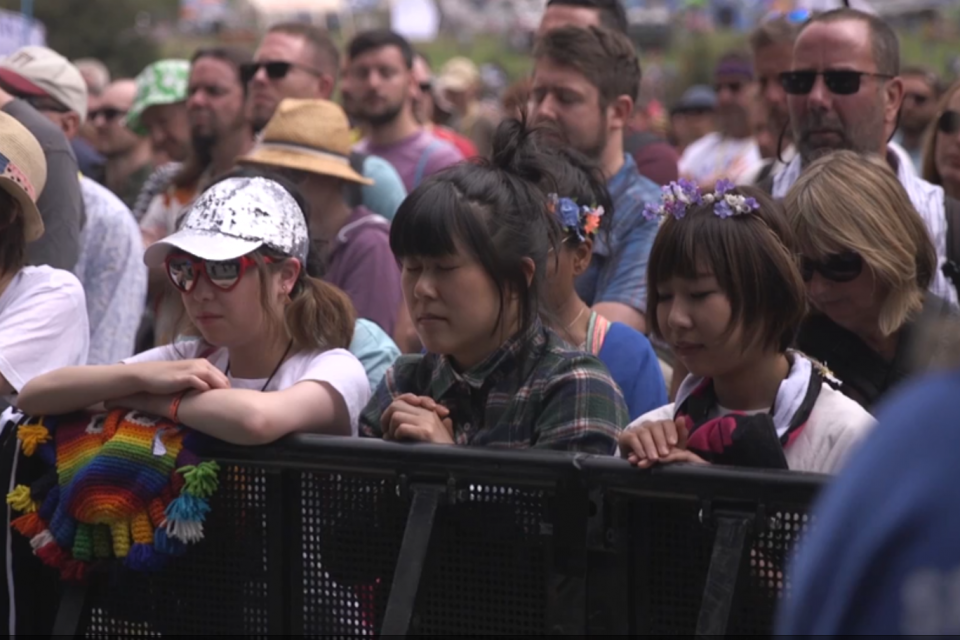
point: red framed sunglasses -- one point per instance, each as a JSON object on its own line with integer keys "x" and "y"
{"x": 184, "y": 271}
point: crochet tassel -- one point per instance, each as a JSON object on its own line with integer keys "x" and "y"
{"x": 32, "y": 436}
{"x": 143, "y": 557}
{"x": 29, "y": 525}
{"x": 163, "y": 543}
{"x": 83, "y": 542}
{"x": 201, "y": 480}
{"x": 188, "y": 508}
{"x": 185, "y": 531}
{"x": 21, "y": 500}
{"x": 121, "y": 538}
{"x": 73, "y": 571}
{"x": 141, "y": 529}
{"x": 101, "y": 541}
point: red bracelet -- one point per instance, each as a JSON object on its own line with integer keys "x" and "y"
{"x": 175, "y": 406}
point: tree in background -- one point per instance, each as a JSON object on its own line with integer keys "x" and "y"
{"x": 115, "y": 31}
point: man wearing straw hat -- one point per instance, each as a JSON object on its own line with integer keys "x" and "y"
{"x": 308, "y": 141}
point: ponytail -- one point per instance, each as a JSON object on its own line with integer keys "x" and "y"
{"x": 319, "y": 316}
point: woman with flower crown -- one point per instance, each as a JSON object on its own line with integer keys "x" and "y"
{"x": 726, "y": 293}
{"x": 626, "y": 352}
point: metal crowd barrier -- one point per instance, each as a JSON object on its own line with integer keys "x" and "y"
{"x": 323, "y": 536}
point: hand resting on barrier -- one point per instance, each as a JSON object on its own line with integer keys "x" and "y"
{"x": 421, "y": 418}
{"x": 661, "y": 441}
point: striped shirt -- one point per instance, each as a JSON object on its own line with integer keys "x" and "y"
{"x": 927, "y": 198}
{"x": 534, "y": 391}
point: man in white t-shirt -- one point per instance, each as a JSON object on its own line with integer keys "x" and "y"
{"x": 43, "y": 315}
{"x": 731, "y": 152}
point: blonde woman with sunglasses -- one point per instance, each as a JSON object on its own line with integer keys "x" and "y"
{"x": 271, "y": 356}
{"x": 867, "y": 260}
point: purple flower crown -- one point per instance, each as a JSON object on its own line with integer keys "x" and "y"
{"x": 678, "y": 196}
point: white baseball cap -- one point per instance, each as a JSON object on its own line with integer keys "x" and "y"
{"x": 235, "y": 217}
{"x": 42, "y": 72}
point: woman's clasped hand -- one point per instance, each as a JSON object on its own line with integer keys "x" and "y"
{"x": 420, "y": 418}
{"x": 658, "y": 441}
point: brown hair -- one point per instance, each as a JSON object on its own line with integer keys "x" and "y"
{"x": 883, "y": 39}
{"x": 326, "y": 54}
{"x": 196, "y": 163}
{"x": 753, "y": 258}
{"x": 605, "y": 57}
{"x": 319, "y": 316}
{"x": 13, "y": 236}
{"x": 774, "y": 32}
{"x": 929, "y": 169}
{"x": 848, "y": 201}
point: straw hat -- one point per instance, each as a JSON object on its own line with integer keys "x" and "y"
{"x": 23, "y": 171}
{"x": 307, "y": 135}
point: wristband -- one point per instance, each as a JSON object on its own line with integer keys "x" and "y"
{"x": 175, "y": 406}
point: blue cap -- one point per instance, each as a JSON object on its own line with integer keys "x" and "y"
{"x": 697, "y": 98}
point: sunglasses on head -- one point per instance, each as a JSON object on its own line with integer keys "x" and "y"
{"x": 840, "y": 267}
{"x": 949, "y": 122}
{"x": 277, "y": 70}
{"x": 839, "y": 81}
{"x": 184, "y": 271}
{"x": 107, "y": 113}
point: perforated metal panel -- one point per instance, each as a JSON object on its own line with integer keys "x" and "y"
{"x": 485, "y": 572}
{"x": 219, "y": 587}
{"x": 671, "y": 550}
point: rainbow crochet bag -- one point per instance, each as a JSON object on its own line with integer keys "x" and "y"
{"x": 122, "y": 485}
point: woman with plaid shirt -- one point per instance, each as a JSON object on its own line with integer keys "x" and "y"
{"x": 474, "y": 243}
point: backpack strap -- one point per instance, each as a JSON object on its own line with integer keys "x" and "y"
{"x": 422, "y": 163}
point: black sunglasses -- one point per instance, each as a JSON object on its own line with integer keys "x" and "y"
{"x": 918, "y": 99}
{"x": 840, "y": 82}
{"x": 840, "y": 267}
{"x": 107, "y": 113}
{"x": 426, "y": 87}
{"x": 275, "y": 70}
{"x": 949, "y": 122}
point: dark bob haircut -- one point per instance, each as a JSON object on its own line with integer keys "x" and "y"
{"x": 495, "y": 210}
{"x": 754, "y": 259}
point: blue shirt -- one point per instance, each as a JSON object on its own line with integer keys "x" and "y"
{"x": 374, "y": 349}
{"x": 633, "y": 365}
{"x": 618, "y": 271}
{"x": 386, "y": 193}
{"x": 110, "y": 268}
{"x": 884, "y": 557}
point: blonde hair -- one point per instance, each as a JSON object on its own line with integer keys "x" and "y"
{"x": 854, "y": 202}
{"x": 929, "y": 169}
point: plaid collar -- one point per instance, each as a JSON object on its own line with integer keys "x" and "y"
{"x": 518, "y": 351}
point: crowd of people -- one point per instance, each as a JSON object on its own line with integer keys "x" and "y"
{"x": 218, "y": 242}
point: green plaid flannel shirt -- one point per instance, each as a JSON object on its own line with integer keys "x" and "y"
{"x": 534, "y": 391}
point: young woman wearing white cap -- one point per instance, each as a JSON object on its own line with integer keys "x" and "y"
{"x": 43, "y": 312}
{"x": 238, "y": 261}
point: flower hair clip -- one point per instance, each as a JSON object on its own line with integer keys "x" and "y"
{"x": 678, "y": 196}
{"x": 579, "y": 220}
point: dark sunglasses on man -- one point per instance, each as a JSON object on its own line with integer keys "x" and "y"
{"x": 107, "y": 113}
{"x": 841, "y": 82}
{"x": 276, "y": 70}
{"x": 949, "y": 122}
{"x": 839, "y": 267}
{"x": 918, "y": 99}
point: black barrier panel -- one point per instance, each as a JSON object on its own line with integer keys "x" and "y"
{"x": 484, "y": 573}
{"x": 221, "y": 586}
{"x": 304, "y": 538}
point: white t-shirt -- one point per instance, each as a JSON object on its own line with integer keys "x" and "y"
{"x": 713, "y": 157}
{"x": 337, "y": 367}
{"x": 43, "y": 325}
